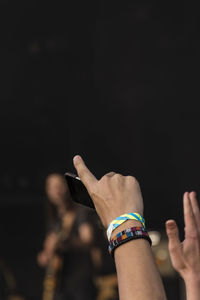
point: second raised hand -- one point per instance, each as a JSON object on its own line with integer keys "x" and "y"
{"x": 185, "y": 256}
{"x": 113, "y": 194}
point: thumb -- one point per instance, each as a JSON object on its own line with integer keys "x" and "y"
{"x": 87, "y": 178}
{"x": 173, "y": 236}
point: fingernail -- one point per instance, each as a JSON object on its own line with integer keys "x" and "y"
{"x": 170, "y": 224}
{"x": 76, "y": 159}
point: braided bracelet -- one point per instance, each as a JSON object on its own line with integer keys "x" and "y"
{"x": 121, "y": 219}
{"x": 128, "y": 235}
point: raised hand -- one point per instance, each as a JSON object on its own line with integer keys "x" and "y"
{"x": 185, "y": 256}
{"x": 113, "y": 194}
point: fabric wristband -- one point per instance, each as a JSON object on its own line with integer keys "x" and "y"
{"x": 128, "y": 235}
{"x": 121, "y": 219}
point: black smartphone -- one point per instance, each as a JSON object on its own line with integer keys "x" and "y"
{"x": 78, "y": 191}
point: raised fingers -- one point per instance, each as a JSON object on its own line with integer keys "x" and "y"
{"x": 195, "y": 208}
{"x": 189, "y": 218}
{"x": 87, "y": 178}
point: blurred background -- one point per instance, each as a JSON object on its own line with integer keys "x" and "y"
{"x": 116, "y": 82}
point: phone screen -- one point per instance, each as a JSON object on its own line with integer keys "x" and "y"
{"x": 78, "y": 191}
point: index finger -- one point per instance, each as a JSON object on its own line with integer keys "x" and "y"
{"x": 87, "y": 178}
{"x": 195, "y": 208}
{"x": 190, "y": 224}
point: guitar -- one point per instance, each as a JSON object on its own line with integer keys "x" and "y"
{"x": 54, "y": 267}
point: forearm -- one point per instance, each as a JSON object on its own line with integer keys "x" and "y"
{"x": 138, "y": 277}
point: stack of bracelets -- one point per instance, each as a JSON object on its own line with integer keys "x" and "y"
{"x": 128, "y": 234}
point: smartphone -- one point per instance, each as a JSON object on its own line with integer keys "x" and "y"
{"x": 78, "y": 191}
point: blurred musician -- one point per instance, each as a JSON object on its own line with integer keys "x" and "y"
{"x": 68, "y": 253}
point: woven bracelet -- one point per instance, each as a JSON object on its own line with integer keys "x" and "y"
{"x": 121, "y": 219}
{"x": 126, "y": 236}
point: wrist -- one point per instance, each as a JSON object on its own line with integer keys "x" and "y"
{"x": 192, "y": 284}
{"x": 191, "y": 279}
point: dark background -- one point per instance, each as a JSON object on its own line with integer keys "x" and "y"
{"x": 118, "y": 83}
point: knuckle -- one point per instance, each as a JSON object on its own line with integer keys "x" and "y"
{"x": 172, "y": 247}
{"x": 193, "y": 234}
{"x": 132, "y": 179}
{"x": 117, "y": 178}
{"x": 105, "y": 177}
{"x": 109, "y": 173}
{"x": 108, "y": 176}
{"x": 117, "y": 175}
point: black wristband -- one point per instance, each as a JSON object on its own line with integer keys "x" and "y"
{"x": 126, "y": 236}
